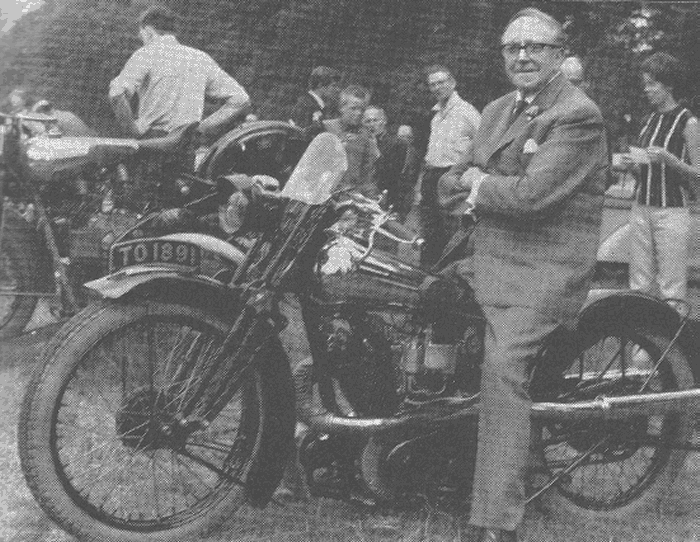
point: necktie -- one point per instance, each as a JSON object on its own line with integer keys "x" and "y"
{"x": 520, "y": 105}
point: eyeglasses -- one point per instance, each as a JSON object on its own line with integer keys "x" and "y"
{"x": 530, "y": 48}
{"x": 439, "y": 82}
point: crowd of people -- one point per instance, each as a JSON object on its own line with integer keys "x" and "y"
{"x": 530, "y": 170}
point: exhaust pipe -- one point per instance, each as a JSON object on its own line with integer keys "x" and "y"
{"x": 311, "y": 411}
{"x": 616, "y": 408}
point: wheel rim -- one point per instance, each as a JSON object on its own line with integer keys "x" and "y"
{"x": 121, "y": 448}
{"x": 618, "y": 459}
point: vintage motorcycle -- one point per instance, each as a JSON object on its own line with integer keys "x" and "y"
{"x": 65, "y": 200}
{"x": 158, "y": 412}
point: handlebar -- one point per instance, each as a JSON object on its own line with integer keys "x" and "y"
{"x": 36, "y": 117}
{"x": 383, "y": 221}
{"x": 398, "y": 232}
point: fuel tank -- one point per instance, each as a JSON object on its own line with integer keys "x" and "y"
{"x": 45, "y": 157}
{"x": 345, "y": 275}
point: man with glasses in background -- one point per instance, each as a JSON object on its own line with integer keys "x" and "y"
{"x": 535, "y": 182}
{"x": 452, "y": 129}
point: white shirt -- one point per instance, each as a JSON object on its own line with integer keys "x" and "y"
{"x": 172, "y": 82}
{"x": 452, "y": 130}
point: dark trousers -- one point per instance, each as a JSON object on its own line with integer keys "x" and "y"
{"x": 433, "y": 219}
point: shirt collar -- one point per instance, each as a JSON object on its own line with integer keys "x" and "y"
{"x": 531, "y": 97}
{"x": 163, "y": 39}
{"x": 451, "y": 101}
{"x": 318, "y": 99}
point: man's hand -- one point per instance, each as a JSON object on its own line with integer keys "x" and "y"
{"x": 124, "y": 115}
{"x": 466, "y": 181}
{"x": 659, "y": 155}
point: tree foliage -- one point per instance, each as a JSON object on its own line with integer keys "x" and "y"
{"x": 69, "y": 50}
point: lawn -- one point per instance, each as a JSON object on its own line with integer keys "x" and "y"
{"x": 323, "y": 520}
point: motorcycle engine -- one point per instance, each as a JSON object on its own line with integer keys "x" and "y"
{"x": 382, "y": 360}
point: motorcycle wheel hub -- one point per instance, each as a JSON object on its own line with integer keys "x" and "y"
{"x": 148, "y": 420}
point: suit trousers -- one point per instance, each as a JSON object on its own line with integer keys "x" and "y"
{"x": 659, "y": 250}
{"x": 513, "y": 338}
{"x": 432, "y": 217}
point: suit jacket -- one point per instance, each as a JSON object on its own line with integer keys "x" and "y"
{"x": 395, "y": 171}
{"x": 540, "y": 207}
{"x": 307, "y": 111}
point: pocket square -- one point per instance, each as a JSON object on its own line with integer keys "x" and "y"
{"x": 530, "y": 146}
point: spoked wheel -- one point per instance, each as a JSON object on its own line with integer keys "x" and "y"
{"x": 615, "y": 468}
{"x": 19, "y": 262}
{"x": 112, "y": 443}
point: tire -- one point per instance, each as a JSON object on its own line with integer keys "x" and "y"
{"x": 108, "y": 459}
{"x": 19, "y": 272}
{"x": 631, "y": 471}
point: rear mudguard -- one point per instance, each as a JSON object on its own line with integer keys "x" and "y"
{"x": 634, "y": 309}
{"x": 171, "y": 279}
{"x": 639, "y": 309}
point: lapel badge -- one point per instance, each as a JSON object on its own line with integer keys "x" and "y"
{"x": 530, "y": 146}
{"x": 532, "y": 111}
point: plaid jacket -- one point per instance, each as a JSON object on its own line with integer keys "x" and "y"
{"x": 540, "y": 206}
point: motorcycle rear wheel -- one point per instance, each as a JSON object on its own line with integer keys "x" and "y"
{"x": 102, "y": 441}
{"x": 630, "y": 468}
{"x": 19, "y": 272}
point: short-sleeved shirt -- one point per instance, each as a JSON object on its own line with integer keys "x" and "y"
{"x": 451, "y": 131}
{"x": 172, "y": 82}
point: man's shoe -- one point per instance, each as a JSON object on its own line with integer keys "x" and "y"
{"x": 498, "y": 535}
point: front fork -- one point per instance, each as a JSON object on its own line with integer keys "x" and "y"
{"x": 224, "y": 369}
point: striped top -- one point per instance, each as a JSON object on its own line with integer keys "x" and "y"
{"x": 658, "y": 185}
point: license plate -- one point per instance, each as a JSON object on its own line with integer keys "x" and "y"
{"x": 154, "y": 251}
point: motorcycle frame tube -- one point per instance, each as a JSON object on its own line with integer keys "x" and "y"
{"x": 62, "y": 285}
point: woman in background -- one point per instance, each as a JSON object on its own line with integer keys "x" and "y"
{"x": 666, "y": 181}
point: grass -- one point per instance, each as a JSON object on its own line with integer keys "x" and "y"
{"x": 323, "y": 520}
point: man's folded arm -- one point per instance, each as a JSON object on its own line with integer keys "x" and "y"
{"x": 558, "y": 169}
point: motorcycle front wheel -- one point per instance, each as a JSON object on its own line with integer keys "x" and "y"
{"x": 19, "y": 272}
{"x": 615, "y": 468}
{"x": 107, "y": 443}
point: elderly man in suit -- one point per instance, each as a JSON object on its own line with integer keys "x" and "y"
{"x": 535, "y": 182}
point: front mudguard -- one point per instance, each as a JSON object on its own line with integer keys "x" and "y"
{"x": 277, "y": 436}
{"x": 168, "y": 283}
{"x": 171, "y": 280}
